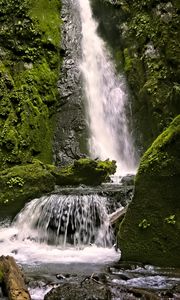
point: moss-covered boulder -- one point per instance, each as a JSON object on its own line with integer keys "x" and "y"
{"x": 21, "y": 183}
{"x": 25, "y": 182}
{"x": 151, "y": 229}
{"x": 85, "y": 171}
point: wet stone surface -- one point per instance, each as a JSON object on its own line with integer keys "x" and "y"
{"x": 120, "y": 281}
{"x": 70, "y": 136}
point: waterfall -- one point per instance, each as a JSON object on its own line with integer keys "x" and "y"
{"x": 60, "y": 229}
{"x": 106, "y": 98}
{"x": 63, "y": 220}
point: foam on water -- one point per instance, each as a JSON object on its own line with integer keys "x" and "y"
{"x": 31, "y": 252}
{"x": 60, "y": 229}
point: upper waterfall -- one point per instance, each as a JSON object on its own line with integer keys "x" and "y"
{"x": 106, "y": 98}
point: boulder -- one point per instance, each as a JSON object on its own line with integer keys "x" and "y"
{"x": 86, "y": 290}
{"x": 23, "y": 182}
{"x": 26, "y": 182}
{"x": 85, "y": 171}
{"x": 13, "y": 280}
{"x": 150, "y": 230}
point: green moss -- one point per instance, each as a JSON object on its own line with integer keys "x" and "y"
{"x": 21, "y": 183}
{"x": 150, "y": 48}
{"x": 155, "y": 203}
{"x": 45, "y": 12}
{"x": 29, "y": 71}
{"x": 162, "y": 155}
{"x": 85, "y": 171}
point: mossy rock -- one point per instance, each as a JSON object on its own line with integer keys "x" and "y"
{"x": 151, "y": 228}
{"x": 22, "y": 183}
{"x": 85, "y": 171}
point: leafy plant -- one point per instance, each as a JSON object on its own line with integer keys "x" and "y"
{"x": 144, "y": 224}
{"x": 15, "y": 181}
{"x": 170, "y": 220}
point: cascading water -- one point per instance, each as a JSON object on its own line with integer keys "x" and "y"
{"x": 60, "y": 220}
{"x": 106, "y": 97}
{"x": 60, "y": 228}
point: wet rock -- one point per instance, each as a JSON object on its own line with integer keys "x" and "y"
{"x": 128, "y": 180}
{"x": 70, "y": 140}
{"x": 88, "y": 290}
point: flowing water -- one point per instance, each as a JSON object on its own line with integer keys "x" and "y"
{"x": 106, "y": 98}
{"x": 60, "y": 228}
{"x": 71, "y": 233}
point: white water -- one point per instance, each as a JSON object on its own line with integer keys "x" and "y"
{"x": 106, "y": 97}
{"x": 41, "y": 232}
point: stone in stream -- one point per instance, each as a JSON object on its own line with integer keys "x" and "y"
{"x": 88, "y": 290}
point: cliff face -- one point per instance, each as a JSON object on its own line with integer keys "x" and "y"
{"x": 150, "y": 231}
{"x": 147, "y": 51}
{"x": 29, "y": 70}
{"x": 148, "y": 47}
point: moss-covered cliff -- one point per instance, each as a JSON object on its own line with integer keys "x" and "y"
{"x": 29, "y": 70}
{"x": 151, "y": 228}
{"x": 147, "y": 49}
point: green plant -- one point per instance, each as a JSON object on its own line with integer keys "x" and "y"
{"x": 15, "y": 181}
{"x": 170, "y": 220}
{"x": 144, "y": 224}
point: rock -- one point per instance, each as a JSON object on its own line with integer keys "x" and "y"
{"x": 22, "y": 183}
{"x": 71, "y": 133}
{"x": 25, "y": 182}
{"x": 128, "y": 180}
{"x": 13, "y": 279}
{"x": 88, "y": 290}
{"x": 150, "y": 230}
{"x": 85, "y": 171}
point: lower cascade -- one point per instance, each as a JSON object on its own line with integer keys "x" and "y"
{"x": 66, "y": 220}
{"x": 60, "y": 229}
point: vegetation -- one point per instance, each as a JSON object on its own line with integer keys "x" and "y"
{"x": 25, "y": 182}
{"x": 151, "y": 62}
{"x": 29, "y": 70}
{"x": 148, "y": 46}
{"x": 85, "y": 171}
{"x": 155, "y": 206}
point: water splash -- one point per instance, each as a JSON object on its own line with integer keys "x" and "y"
{"x": 60, "y": 229}
{"x": 106, "y": 97}
{"x": 64, "y": 220}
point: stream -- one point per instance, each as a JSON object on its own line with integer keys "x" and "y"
{"x": 50, "y": 265}
{"x": 64, "y": 241}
